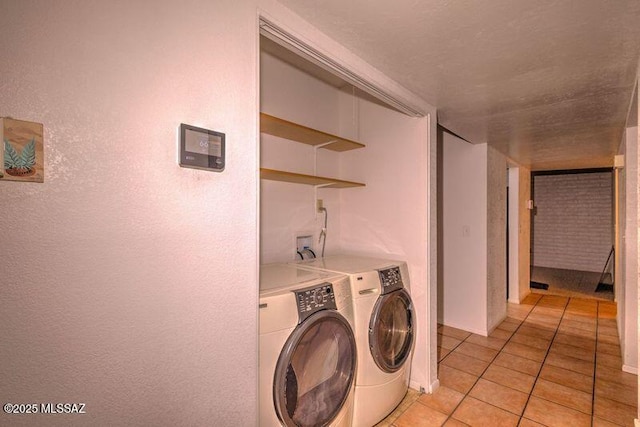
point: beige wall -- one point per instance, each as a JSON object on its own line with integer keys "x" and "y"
{"x": 473, "y": 284}
{"x": 626, "y": 283}
{"x": 289, "y": 210}
{"x": 519, "y": 233}
{"x": 129, "y": 283}
{"x": 496, "y": 238}
{"x": 462, "y": 289}
{"x": 524, "y": 233}
{"x": 637, "y": 158}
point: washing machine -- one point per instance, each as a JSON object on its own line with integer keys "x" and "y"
{"x": 384, "y": 327}
{"x": 308, "y": 353}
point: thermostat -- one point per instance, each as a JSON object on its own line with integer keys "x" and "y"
{"x": 201, "y": 148}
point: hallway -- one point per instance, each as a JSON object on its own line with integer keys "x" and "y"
{"x": 554, "y": 361}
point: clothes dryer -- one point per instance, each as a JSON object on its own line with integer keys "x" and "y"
{"x": 385, "y": 331}
{"x": 308, "y": 352}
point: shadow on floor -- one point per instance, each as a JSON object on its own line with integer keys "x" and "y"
{"x": 570, "y": 283}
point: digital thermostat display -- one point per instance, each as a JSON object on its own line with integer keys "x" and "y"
{"x": 201, "y": 148}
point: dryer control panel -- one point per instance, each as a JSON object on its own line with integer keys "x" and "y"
{"x": 390, "y": 279}
{"x": 313, "y": 299}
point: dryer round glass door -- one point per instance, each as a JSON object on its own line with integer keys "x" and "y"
{"x": 315, "y": 371}
{"x": 391, "y": 330}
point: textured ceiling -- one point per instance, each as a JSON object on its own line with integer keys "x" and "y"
{"x": 548, "y": 82}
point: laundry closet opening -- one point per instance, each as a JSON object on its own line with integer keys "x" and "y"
{"x": 360, "y": 172}
{"x": 343, "y": 173}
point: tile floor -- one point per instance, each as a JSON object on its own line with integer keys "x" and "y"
{"x": 555, "y": 361}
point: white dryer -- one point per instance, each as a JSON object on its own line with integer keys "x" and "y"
{"x": 385, "y": 331}
{"x": 308, "y": 351}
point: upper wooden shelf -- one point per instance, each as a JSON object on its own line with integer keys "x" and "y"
{"x": 285, "y": 129}
{"x": 298, "y": 178}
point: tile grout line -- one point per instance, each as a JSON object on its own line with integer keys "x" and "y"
{"x": 537, "y": 377}
{"x": 564, "y": 309}
{"x": 521, "y": 323}
{"x": 490, "y": 363}
{"x": 557, "y": 330}
{"x": 595, "y": 366}
{"x": 456, "y": 346}
{"x": 593, "y": 387}
{"x": 480, "y": 376}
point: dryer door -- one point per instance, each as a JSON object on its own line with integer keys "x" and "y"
{"x": 315, "y": 371}
{"x": 391, "y": 330}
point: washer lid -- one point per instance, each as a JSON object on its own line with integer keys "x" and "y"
{"x": 282, "y": 276}
{"x": 391, "y": 330}
{"x": 315, "y": 371}
{"x": 350, "y": 264}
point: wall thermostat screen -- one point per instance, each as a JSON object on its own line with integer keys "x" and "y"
{"x": 202, "y": 143}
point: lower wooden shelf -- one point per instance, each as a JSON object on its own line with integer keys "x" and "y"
{"x": 298, "y": 178}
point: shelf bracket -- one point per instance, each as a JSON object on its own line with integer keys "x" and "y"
{"x": 324, "y": 144}
{"x": 324, "y": 185}
{"x": 315, "y": 154}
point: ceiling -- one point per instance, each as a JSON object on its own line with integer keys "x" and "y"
{"x": 547, "y": 82}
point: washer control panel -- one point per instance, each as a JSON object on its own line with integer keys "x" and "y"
{"x": 311, "y": 300}
{"x": 390, "y": 279}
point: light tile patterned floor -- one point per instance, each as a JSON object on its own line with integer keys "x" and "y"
{"x": 555, "y": 361}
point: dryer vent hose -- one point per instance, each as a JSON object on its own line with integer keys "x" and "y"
{"x": 306, "y": 253}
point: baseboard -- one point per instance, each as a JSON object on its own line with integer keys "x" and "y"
{"x": 494, "y": 327}
{"x": 468, "y": 329}
{"x": 522, "y": 297}
{"x": 417, "y": 386}
{"x": 630, "y": 369}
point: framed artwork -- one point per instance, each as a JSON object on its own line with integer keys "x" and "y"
{"x": 23, "y": 146}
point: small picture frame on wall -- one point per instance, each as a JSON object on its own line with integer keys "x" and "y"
{"x": 23, "y": 149}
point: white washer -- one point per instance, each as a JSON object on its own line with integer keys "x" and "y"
{"x": 385, "y": 329}
{"x": 308, "y": 352}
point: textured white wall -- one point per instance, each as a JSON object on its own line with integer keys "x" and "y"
{"x": 288, "y": 210}
{"x": 621, "y": 244}
{"x": 524, "y": 233}
{"x": 572, "y": 225}
{"x": 378, "y": 219}
{"x": 519, "y": 233}
{"x": 388, "y": 217}
{"x": 496, "y": 238}
{"x": 462, "y": 295}
{"x": 129, "y": 283}
{"x": 513, "y": 179}
{"x": 627, "y": 297}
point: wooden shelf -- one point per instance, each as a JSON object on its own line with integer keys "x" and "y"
{"x": 285, "y": 129}
{"x": 298, "y": 178}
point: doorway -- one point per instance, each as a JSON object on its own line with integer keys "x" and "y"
{"x": 573, "y": 233}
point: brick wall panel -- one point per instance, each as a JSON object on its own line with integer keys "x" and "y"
{"x": 572, "y": 226}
